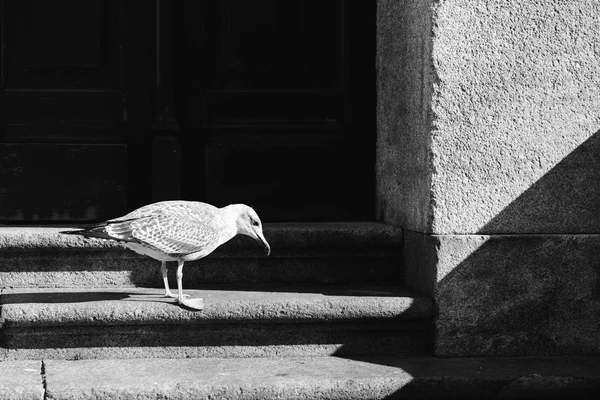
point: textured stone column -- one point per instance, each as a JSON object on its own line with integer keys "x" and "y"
{"x": 489, "y": 157}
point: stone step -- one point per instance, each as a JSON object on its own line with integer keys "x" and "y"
{"x": 261, "y": 320}
{"x": 304, "y": 378}
{"x": 301, "y": 253}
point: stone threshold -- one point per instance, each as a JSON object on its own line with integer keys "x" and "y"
{"x": 304, "y": 378}
{"x": 301, "y": 253}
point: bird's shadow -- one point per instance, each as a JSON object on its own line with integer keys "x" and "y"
{"x": 59, "y": 295}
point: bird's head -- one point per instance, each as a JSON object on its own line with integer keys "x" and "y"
{"x": 248, "y": 223}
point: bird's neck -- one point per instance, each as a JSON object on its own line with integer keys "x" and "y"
{"x": 230, "y": 216}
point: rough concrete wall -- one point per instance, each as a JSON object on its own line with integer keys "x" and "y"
{"x": 515, "y": 150}
{"x": 403, "y": 113}
{"x": 509, "y": 295}
{"x": 489, "y": 156}
{"x": 516, "y": 108}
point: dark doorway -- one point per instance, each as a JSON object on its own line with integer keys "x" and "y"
{"x": 274, "y": 106}
{"x": 278, "y": 106}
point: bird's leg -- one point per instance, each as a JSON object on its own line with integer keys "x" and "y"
{"x": 196, "y": 304}
{"x": 168, "y": 293}
{"x": 163, "y": 270}
{"x": 179, "y": 275}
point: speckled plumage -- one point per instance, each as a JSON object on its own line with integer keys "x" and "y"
{"x": 178, "y": 231}
{"x": 172, "y": 229}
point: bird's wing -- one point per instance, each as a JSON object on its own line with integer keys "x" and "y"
{"x": 174, "y": 234}
{"x": 120, "y": 230}
{"x": 183, "y": 208}
{"x": 173, "y": 227}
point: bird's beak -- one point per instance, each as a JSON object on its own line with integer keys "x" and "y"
{"x": 261, "y": 239}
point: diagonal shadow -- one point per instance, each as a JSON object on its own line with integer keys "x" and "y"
{"x": 538, "y": 292}
{"x": 527, "y": 285}
{"x": 564, "y": 200}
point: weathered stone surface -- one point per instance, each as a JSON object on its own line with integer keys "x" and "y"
{"x": 487, "y": 116}
{"x": 285, "y": 378}
{"x": 506, "y": 295}
{"x": 404, "y": 90}
{"x": 517, "y": 97}
{"x": 308, "y": 253}
{"x": 320, "y": 378}
{"x": 564, "y": 200}
{"x": 266, "y": 321}
{"x": 109, "y": 306}
{"x": 489, "y": 125}
{"x": 21, "y": 380}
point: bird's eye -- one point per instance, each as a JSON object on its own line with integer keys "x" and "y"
{"x": 255, "y": 222}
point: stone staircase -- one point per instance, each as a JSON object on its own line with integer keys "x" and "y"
{"x": 325, "y": 316}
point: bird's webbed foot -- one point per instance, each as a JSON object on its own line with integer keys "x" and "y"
{"x": 194, "y": 304}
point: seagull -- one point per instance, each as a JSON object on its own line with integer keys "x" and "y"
{"x": 179, "y": 231}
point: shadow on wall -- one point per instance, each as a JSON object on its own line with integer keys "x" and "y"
{"x": 528, "y": 294}
{"x": 565, "y": 200}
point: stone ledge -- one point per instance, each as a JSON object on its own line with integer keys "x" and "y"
{"x": 112, "y": 269}
{"x": 261, "y": 321}
{"x": 325, "y": 378}
{"x": 301, "y": 253}
{"x": 277, "y": 304}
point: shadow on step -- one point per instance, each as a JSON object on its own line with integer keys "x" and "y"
{"x": 220, "y": 339}
{"x": 486, "y": 377}
{"x": 302, "y": 253}
{"x": 61, "y": 295}
{"x": 117, "y": 267}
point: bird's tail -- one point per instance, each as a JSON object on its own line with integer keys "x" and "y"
{"x": 96, "y": 231}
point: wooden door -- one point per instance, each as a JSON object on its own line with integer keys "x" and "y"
{"x": 75, "y": 107}
{"x": 276, "y": 102}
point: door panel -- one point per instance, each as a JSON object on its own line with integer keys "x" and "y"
{"x": 65, "y": 139}
{"x": 272, "y": 174}
{"x": 267, "y": 91}
{"x": 66, "y": 44}
{"x": 62, "y": 116}
{"x": 62, "y": 182}
{"x": 272, "y": 44}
